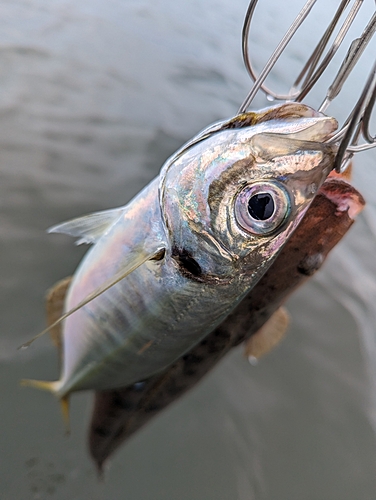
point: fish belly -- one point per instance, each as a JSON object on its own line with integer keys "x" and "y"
{"x": 140, "y": 326}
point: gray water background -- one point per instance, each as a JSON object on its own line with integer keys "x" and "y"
{"x": 94, "y": 95}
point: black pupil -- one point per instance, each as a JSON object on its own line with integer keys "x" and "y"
{"x": 261, "y": 206}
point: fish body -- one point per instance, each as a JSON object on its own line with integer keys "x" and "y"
{"x": 193, "y": 243}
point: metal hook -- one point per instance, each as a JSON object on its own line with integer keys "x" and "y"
{"x": 357, "y": 125}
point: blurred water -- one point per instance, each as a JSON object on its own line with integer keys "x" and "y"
{"x": 94, "y": 96}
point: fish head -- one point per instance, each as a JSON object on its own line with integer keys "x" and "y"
{"x": 232, "y": 200}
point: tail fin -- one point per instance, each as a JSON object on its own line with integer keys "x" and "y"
{"x": 52, "y": 387}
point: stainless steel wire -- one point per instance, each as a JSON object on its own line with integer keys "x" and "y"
{"x": 355, "y": 134}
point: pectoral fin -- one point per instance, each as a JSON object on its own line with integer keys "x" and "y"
{"x": 136, "y": 258}
{"x": 269, "y": 335}
{"x": 89, "y": 228}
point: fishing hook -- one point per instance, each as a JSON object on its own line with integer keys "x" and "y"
{"x": 356, "y": 127}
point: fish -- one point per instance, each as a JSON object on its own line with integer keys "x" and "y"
{"x": 259, "y": 322}
{"x": 167, "y": 268}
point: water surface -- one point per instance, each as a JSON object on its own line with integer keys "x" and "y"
{"x": 94, "y": 97}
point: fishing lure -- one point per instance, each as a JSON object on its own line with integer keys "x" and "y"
{"x": 169, "y": 266}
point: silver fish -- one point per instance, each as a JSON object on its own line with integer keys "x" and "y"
{"x": 183, "y": 253}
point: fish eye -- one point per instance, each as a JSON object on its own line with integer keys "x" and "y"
{"x": 261, "y": 207}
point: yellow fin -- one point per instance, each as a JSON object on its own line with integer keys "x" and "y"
{"x": 52, "y": 387}
{"x": 64, "y": 405}
{"x": 55, "y": 298}
{"x": 41, "y": 384}
{"x": 139, "y": 257}
{"x": 269, "y": 335}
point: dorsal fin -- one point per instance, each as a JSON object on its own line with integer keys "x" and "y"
{"x": 89, "y": 228}
{"x": 55, "y": 299}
